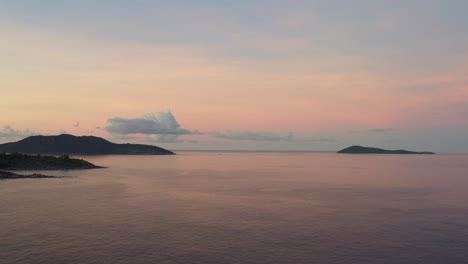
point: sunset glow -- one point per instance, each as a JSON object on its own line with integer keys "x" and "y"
{"x": 309, "y": 68}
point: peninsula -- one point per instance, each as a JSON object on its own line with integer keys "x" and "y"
{"x": 84, "y": 145}
{"x": 17, "y": 161}
{"x": 10, "y": 175}
{"x": 367, "y": 150}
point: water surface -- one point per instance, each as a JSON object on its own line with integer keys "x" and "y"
{"x": 214, "y": 207}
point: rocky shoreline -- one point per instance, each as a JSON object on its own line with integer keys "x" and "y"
{"x": 11, "y": 175}
{"x": 23, "y": 162}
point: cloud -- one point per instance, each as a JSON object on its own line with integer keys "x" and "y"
{"x": 165, "y": 138}
{"x": 162, "y": 124}
{"x": 380, "y": 130}
{"x": 120, "y": 137}
{"x": 431, "y": 86}
{"x": 320, "y": 139}
{"x": 248, "y": 135}
{"x": 374, "y": 130}
{"x": 9, "y": 133}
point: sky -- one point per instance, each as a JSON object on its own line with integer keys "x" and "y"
{"x": 238, "y": 75}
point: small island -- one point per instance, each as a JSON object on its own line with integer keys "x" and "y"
{"x": 367, "y": 150}
{"x": 17, "y": 161}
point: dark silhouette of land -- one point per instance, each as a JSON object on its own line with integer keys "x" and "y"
{"x": 11, "y": 175}
{"x": 17, "y": 161}
{"x": 367, "y": 150}
{"x": 85, "y": 145}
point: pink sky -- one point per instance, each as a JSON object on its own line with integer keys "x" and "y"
{"x": 53, "y": 78}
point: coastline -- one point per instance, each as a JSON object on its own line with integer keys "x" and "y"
{"x": 5, "y": 175}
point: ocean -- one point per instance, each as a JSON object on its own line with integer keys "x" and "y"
{"x": 242, "y": 207}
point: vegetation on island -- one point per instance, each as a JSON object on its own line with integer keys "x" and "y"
{"x": 11, "y": 175}
{"x": 84, "y": 145}
{"x": 367, "y": 150}
{"x": 17, "y": 161}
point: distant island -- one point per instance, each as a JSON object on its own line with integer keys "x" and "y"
{"x": 17, "y": 161}
{"x": 366, "y": 150}
{"x": 84, "y": 145}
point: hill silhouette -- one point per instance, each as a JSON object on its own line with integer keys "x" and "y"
{"x": 367, "y": 150}
{"x": 84, "y": 145}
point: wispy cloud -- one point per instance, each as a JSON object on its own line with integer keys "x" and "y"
{"x": 165, "y": 138}
{"x": 119, "y": 137}
{"x": 380, "y": 130}
{"x": 374, "y": 130}
{"x": 8, "y": 133}
{"x": 319, "y": 139}
{"x": 431, "y": 86}
{"x": 249, "y": 135}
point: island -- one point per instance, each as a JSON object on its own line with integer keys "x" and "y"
{"x": 10, "y": 175}
{"x": 367, "y": 150}
{"x": 83, "y": 145}
{"x": 17, "y": 161}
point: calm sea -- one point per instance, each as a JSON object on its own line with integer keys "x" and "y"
{"x": 215, "y": 207}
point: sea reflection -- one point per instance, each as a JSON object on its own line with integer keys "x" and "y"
{"x": 201, "y": 207}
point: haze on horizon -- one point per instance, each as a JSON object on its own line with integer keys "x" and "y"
{"x": 253, "y": 75}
